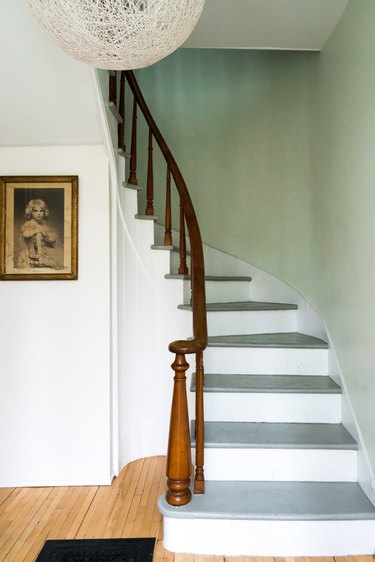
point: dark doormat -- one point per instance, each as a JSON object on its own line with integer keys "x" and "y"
{"x": 98, "y": 550}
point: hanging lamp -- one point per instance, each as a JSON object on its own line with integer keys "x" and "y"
{"x": 117, "y": 34}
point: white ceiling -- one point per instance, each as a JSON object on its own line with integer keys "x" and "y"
{"x": 266, "y": 24}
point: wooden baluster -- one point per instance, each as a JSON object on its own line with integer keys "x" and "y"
{"x": 179, "y": 455}
{"x": 150, "y": 178}
{"x": 168, "y": 212}
{"x": 133, "y": 157}
{"x": 121, "y": 126}
{"x": 199, "y": 426}
{"x": 113, "y": 87}
{"x": 182, "y": 270}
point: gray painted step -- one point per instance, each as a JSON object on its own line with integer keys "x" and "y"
{"x": 131, "y": 186}
{"x": 170, "y": 248}
{"x": 242, "y": 306}
{"x": 275, "y": 435}
{"x": 305, "y": 384}
{"x": 314, "y": 501}
{"x": 283, "y": 340}
{"x": 208, "y": 277}
{"x": 146, "y": 217}
{"x": 161, "y": 247}
{"x": 124, "y": 154}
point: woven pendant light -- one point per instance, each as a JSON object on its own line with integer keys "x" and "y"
{"x": 117, "y": 34}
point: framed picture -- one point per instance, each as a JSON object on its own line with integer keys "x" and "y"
{"x": 39, "y": 227}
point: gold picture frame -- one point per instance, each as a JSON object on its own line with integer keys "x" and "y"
{"x": 39, "y": 227}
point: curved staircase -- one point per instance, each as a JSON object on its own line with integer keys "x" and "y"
{"x": 280, "y": 468}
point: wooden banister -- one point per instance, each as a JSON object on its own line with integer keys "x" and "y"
{"x": 178, "y": 461}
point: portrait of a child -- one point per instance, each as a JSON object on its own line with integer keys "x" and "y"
{"x": 37, "y": 237}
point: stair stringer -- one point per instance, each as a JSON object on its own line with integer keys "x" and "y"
{"x": 150, "y": 322}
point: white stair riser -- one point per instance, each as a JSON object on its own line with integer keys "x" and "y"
{"x": 302, "y": 465}
{"x": 222, "y": 291}
{"x": 231, "y": 537}
{"x": 251, "y": 322}
{"x": 267, "y": 361}
{"x": 268, "y": 407}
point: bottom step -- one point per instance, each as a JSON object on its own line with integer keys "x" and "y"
{"x": 272, "y": 519}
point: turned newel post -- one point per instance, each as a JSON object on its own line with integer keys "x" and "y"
{"x": 179, "y": 455}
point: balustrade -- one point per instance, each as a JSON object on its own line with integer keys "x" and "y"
{"x": 179, "y": 469}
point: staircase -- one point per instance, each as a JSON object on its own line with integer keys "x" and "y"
{"x": 280, "y": 468}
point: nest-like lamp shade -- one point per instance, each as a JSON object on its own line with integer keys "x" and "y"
{"x": 117, "y": 34}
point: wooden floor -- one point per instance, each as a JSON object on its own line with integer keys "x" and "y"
{"x": 29, "y": 516}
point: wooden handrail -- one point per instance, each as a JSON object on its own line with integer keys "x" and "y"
{"x": 179, "y": 447}
{"x": 199, "y": 341}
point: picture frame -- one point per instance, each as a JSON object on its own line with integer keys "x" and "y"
{"x": 39, "y": 227}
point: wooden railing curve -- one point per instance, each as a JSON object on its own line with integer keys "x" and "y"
{"x": 179, "y": 459}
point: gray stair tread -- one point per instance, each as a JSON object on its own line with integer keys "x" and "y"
{"x": 303, "y": 384}
{"x": 276, "y": 435}
{"x": 173, "y": 249}
{"x": 314, "y": 501}
{"x": 161, "y": 247}
{"x": 131, "y": 186}
{"x": 146, "y": 217}
{"x": 208, "y": 277}
{"x": 123, "y": 153}
{"x": 287, "y": 340}
{"x": 242, "y": 306}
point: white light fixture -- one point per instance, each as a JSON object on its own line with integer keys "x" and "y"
{"x": 118, "y": 34}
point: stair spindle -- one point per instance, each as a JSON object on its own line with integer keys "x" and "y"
{"x": 183, "y": 269}
{"x": 133, "y": 157}
{"x": 113, "y": 87}
{"x": 199, "y": 426}
{"x": 168, "y": 212}
{"x": 150, "y": 178}
{"x": 121, "y": 126}
{"x": 179, "y": 455}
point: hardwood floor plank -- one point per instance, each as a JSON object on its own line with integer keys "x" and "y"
{"x": 5, "y": 493}
{"x": 129, "y": 485}
{"x": 82, "y": 504}
{"x": 28, "y": 509}
{"x": 34, "y": 535}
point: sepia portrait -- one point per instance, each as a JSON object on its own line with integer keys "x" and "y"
{"x": 39, "y": 227}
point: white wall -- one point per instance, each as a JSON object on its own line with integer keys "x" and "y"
{"x": 46, "y": 97}
{"x": 55, "y": 342}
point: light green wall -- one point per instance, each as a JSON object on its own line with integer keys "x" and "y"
{"x": 343, "y": 169}
{"x": 277, "y": 150}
